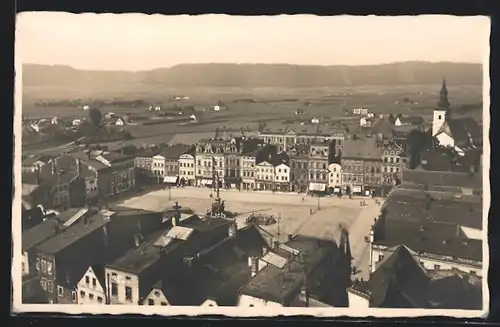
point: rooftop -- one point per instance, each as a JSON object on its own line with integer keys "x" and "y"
{"x": 443, "y": 178}
{"x": 281, "y": 285}
{"x": 416, "y": 206}
{"x": 435, "y": 238}
{"x": 174, "y": 151}
{"x": 31, "y": 160}
{"x": 362, "y": 148}
{"x": 147, "y": 254}
{"x": 45, "y": 229}
{"x": 115, "y": 157}
{"x": 73, "y": 234}
{"x": 399, "y": 281}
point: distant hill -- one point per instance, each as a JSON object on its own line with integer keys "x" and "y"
{"x": 257, "y": 75}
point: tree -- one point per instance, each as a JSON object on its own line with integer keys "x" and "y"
{"x": 95, "y": 116}
{"x": 416, "y": 142}
{"x": 392, "y": 119}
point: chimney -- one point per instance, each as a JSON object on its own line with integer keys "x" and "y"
{"x": 290, "y": 237}
{"x": 54, "y": 166}
{"x": 86, "y": 219}
{"x": 78, "y": 167}
{"x": 264, "y": 250}
{"x": 137, "y": 239}
{"x": 276, "y": 245}
{"x": 37, "y": 176}
{"x": 255, "y": 266}
{"x": 57, "y": 228}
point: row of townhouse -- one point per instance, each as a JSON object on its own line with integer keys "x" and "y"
{"x": 73, "y": 179}
{"x": 256, "y": 164}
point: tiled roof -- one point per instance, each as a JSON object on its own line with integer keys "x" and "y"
{"x": 281, "y": 285}
{"x": 443, "y": 178}
{"x": 362, "y": 148}
{"x": 146, "y": 153}
{"x": 72, "y": 234}
{"x": 45, "y": 229}
{"x": 434, "y": 238}
{"x": 463, "y": 129}
{"x": 114, "y": 157}
{"x": 455, "y": 292}
{"x": 404, "y": 205}
{"x": 174, "y": 151}
{"x": 399, "y": 281}
{"x": 413, "y": 120}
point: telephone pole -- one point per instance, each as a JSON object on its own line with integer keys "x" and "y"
{"x": 279, "y": 218}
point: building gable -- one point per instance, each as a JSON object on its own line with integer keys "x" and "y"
{"x": 209, "y": 303}
{"x": 90, "y": 276}
{"x": 186, "y": 156}
{"x": 156, "y": 297}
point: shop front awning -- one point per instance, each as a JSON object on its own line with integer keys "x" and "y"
{"x": 170, "y": 179}
{"x": 317, "y": 187}
{"x": 356, "y": 189}
{"x": 206, "y": 182}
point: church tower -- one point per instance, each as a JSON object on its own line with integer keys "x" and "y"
{"x": 443, "y": 103}
{"x": 441, "y": 114}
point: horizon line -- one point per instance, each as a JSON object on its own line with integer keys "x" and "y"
{"x": 257, "y": 63}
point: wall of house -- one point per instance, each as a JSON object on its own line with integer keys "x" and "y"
{"x": 123, "y": 288}
{"x": 187, "y": 167}
{"x": 90, "y": 291}
{"x": 25, "y": 264}
{"x": 428, "y": 263}
{"x": 282, "y": 174}
{"x": 45, "y": 269}
{"x": 445, "y": 140}
{"x": 438, "y": 121}
{"x": 357, "y": 302}
{"x": 156, "y": 297}
{"x": 335, "y": 175}
{"x": 91, "y": 188}
{"x": 250, "y": 301}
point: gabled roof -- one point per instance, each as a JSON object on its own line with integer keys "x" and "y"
{"x": 463, "y": 130}
{"x": 413, "y": 120}
{"x": 35, "y": 158}
{"x": 72, "y": 234}
{"x": 399, "y": 281}
{"x": 455, "y": 291}
{"x": 45, "y": 229}
{"x": 362, "y": 148}
{"x": 174, "y": 151}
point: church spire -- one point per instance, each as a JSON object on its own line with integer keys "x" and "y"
{"x": 443, "y": 98}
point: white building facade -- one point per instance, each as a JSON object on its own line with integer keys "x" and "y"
{"x": 187, "y": 168}
{"x": 334, "y": 177}
{"x": 90, "y": 289}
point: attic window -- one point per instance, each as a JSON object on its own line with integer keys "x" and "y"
{"x": 157, "y": 293}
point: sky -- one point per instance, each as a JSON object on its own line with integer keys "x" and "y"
{"x": 143, "y": 42}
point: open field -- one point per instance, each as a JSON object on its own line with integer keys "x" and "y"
{"x": 326, "y": 103}
{"x": 296, "y": 217}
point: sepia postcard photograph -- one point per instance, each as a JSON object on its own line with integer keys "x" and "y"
{"x": 251, "y": 165}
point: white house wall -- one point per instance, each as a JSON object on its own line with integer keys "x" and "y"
{"x": 122, "y": 280}
{"x": 357, "y": 302}
{"x": 445, "y": 140}
{"x": 250, "y": 301}
{"x": 88, "y": 293}
{"x": 428, "y": 263}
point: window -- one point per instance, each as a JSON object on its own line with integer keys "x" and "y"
{"x": 73, "y": 296}
{"x": 380, "y": 257}
{"x": 91, "y": 296}
{"x": 128, "y": 278}
{"x": 44, "y": 266}
{"x": 82, "y": 294}
{"x": 23, "y": 266}
{"x": 43, "y": 283}
{"x": 437, "y": 267}
{"x": 473, "y": 272}
{"x": 128, "y": 293}
{"x": 114, "y": 289}
{"x": 164, "y": 303}
{"x": 60, "y": 291}
{"x": 99, "y": 299}
{"x": 151, "y": 302}
{"x": 49, "y": 268}
{"x": 87, "y": 280}
{"x": 251, "y": 305}
{"x": 94, "y": 282}
{"x": 50, "y": 286}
